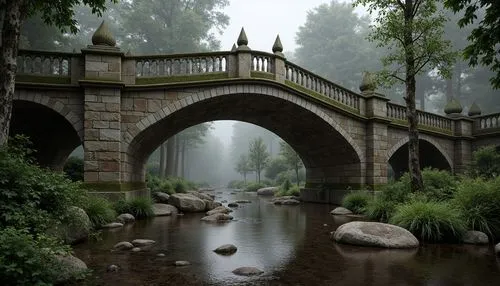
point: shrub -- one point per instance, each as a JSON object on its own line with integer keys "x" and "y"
{"x": 380, "y": 209}
{"x": 486, "y": 162}
{"x": 439, "y": 185}
{"x": 396, "y": 192}
{"x": 253, "y": 187}
{"x": 140, "y": 207}
{"x": 28, "y": 260}
{"x": 180, "y": 185}
{"x": 32, "y": 197}
{"x": 74, "y": 168}
{"x": 99, "y": 210}
{"x": 430, "y": 221}
{"x": 356, "y": 201}
{"x": 236, "y": 184}
{"x": 292, "y": 191}
{"x": 479, "y": 202}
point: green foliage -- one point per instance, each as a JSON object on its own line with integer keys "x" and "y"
{"x": 140, "y": 207}
{"x": 356, "y": 201}
{"x": 243, "y": 166}
{"x": 32, "y": 197}
{"x": 430, "y": 221}
{"x": 169, "y": 185}
{"x": 439, "y": 185}
{"x": 275, "y": 167}
{"x": 292, "y": 190}
{"x": 380, "y": 209}
{"x": 479, "y": 202}
{"x": 291, "y": 158}
{"x": 486, "y": 162}
{"x": 99, "y": 210}
{"x": 484, "y": 38}
{"x": 236, "y": 185}
{"x": 74, "y": 168}
{"x": 253, "y": 187}
{"x": 258, "y": 155}
{"x": 26, "y": 259}
{"x": 286, "y": 185}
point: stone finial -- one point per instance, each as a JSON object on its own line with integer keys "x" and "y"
{"x": 368, "y": 83}
{"x": 474, "y": 109}
{"x": 453, "y": 107}
{"x": 234, "y": 48}
{"x": 102, "y": 36}
{"x": 129, "y": 53}
{"x": 277, "y": 46}
{"x": 242, "y": 38}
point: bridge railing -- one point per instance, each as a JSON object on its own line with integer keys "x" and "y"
{"x": 44, "y": 63}
{"x": 315, "y": 83}
{"x": 262, "y": 62}
{"x": 486, "y": 123}
{"x": 180, "y": 64}
{"x": 427, "y": 119}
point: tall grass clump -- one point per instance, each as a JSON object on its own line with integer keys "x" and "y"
{"x": 479, "y": 203}
{"x": 356, "y": 201}
{"x": 253, "y": 187}
{"x": 99, "y": 210}
{"x": 179, "y": 184}
{"x": 380, "y": 209}
{"x": 140, "y": 207}
{"x": 430, "y": 221}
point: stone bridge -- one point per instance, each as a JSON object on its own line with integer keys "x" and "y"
{"x": 121, "y": 107}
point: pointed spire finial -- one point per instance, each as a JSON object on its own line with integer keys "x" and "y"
{"x": 368, "y": 84}
{"x": 453, "y": 107}
{"x": 474, "y": 109}
{"x": 102, "y": 36}
{"x": 277, "y": 46}
{"x": 242, "y": 38}
{"x": 234, "y": 48}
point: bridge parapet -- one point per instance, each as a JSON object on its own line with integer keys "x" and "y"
{"x": 484, "y": 124}
{"x": 434, "y": 122}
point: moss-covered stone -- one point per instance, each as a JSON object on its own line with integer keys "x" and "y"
{"x": 368, "y": 84}
{"x": 474, "y": 110}
{"x": 259, "y": 74}
{"x": 24, "y": 78}
{"x": 103, "y": 36}
{"x": 181, "y": 78}
{"x": 453, "y": 107}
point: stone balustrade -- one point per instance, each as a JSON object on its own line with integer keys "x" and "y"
{"x": 425, "y": 119}
{"x": 42, "y": 63}
{"x": 487, "y": 123}
{"x": 262, "y": 62}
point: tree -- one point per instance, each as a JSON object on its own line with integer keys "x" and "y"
{"x": 484, "y": 39}
{"x": 275, "y": 167}
{"x": 292, "y": 158}
{"x": 258, "y": 156}
{"x": 58, "y": 13}
{"x": 412, "y": 30}
{"x": 243, "y": 166}
{"x": 332, "y": 43}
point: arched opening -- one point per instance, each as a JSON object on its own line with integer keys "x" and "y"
{"x": 430, "y": 156}
{"x": 53, "y": 137}
{"x": 328, "y": 156}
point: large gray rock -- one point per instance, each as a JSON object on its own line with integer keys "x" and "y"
{"x": 142, "y": 242}
{"x": 71, "y": 267}
{"x": 497, "y": 249}
{"x": 375, "y": 234}
{"x": 161, "y": 197}
{"x": 219, "y": 209}
{"x": 125, "y": 218}
{"x": 475, "y": 237}
{"x": 218, "y": 217}
{"x": 113, "y": 225}
{"x": 201, "y": 195}
{"x": 226, "y": 249}
{"x": 290, "y": 202}
{"x": 340, "y": 211}
{"x": 123, "y": 245}
{"x": 187, "y": 202}
{"x": 210, "y": 205}
{"x": 162, "y": 210}
{"x": 247, "y": 271}
{"x": 269, "y": 191}
{"x": 76, "y": 227}
{"x": 232, "y": 205}
{"x": 182, "y": 263}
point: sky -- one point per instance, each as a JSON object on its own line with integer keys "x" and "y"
{"x": 263, "y": 20}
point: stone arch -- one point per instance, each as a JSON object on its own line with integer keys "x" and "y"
{"x": 425, "y": 141}
{"x": 138, "y": 134}
{"x": 55, "y": 105}
{"x": 52, "y": 135}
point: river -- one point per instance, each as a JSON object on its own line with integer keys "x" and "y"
{"x": 289, "y": 243}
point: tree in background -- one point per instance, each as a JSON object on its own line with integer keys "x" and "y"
{"x": 258, "y": 156}
{"x": 483, "y": 39}
{"x": 275, "y": 167}
{"x": 291, "y": 158}
{"x": 12, "y": 14}
{"x": 412, "y": 30}
{"x": 243, "y": 167}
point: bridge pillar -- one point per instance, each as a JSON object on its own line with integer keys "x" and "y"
{"x": 462, "y": 156}
{"x": 376, "y": 136}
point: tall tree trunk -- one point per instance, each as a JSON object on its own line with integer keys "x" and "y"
{"x": 297, "y": 174}
{"x": 162, "y": 160}
{"x": 170, "y": 169}
{"x": 413, "y": 146}
{"x": 245, "y": 177}
{"x": 11, "y": 27}
{"x": 183, "y": 159}
{"x": 176, "y": 160}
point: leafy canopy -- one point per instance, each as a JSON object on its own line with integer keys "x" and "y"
{"x": 485, "y": 38}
